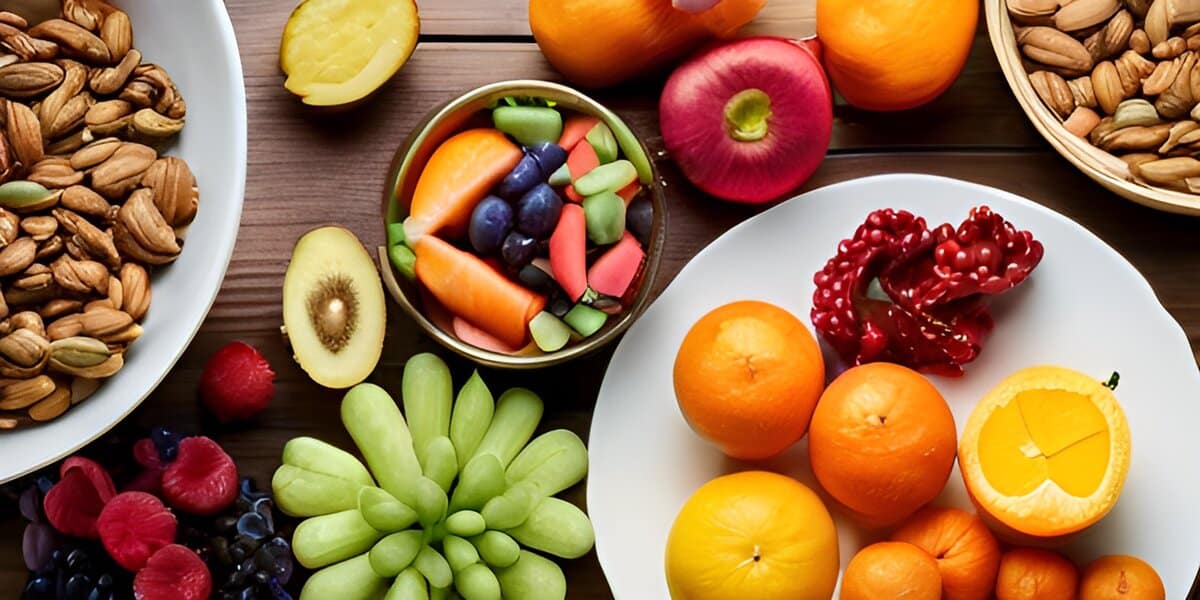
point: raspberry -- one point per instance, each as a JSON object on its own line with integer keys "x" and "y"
{"x": 173, "y": 573}
{"x": 74, "y": 503}
{"x": 237, "y": 383}
{"x": 133, "y": 526}
{"x": 202, "y": 480}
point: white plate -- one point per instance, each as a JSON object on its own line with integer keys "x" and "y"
{"x": 1084, "y": 307}
{"x": 193, "y": 40}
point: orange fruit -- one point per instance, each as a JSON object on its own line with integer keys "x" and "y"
{"x": 1119, "y": 577}
{"x": 1035, "y": 574}
{"x": 882, "y": 442}
{"x": 895, "y": 54}
{"x": 967, "y": 554}
{"x": 891, "y": 570}
{"x": 752, "y": 535}
{"x": 1046, "y": 452}
{"x": 747, "y": 377}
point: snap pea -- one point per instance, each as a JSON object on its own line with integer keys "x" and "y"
{"x": 529, "y": 124}
{"x": 604, "y": 214}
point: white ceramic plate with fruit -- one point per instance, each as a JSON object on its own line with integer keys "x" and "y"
{"x": 214, "y": 147}
{"x": 1084, "y": 307}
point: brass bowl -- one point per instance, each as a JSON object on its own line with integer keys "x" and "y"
{"x": 1102, "y": 167}
{"x": 451, "y": 117}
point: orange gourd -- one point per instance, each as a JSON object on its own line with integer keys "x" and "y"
{"x": 597, "y": 43}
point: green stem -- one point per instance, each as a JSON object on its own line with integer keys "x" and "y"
{"x": 747, "y": 115}
{"x": 1113, "y": 381}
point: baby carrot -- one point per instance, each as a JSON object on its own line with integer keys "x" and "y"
{"x": 457, "y": 176}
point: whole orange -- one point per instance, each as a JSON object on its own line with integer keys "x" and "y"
{"x": 967, "y": 554}
{"x": 891, "y": 570}
{"x": 895, "y": 54}
{"x": 747, "y": 377}
{"x": 1035, "y": 574}
{"x": 753, "y": 535}
{"x": 882, "y": 442}
{"x": 1120, "y": 577}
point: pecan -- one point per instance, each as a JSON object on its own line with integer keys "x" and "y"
{"x": 24, "y": 348}
{"x": 116, "y": 31}
{"x": 24, "y": 132}
{"x": 1176, "y": 101}
{"x": 74, "y": 78}
{"x": 25, "y": 46}
{"x": 17, "y": 256}
{"x": 141, "y": 232}
{"x": 1082, "y": 14}
{"x": 59, "y": 307}
{"x": 16, "y": 395}
{"x": 135, "y": 287}
{"x": 9, "y": 227}
{"x": 174, "y": 188}
{"x": 40, "y": 228}
{"x": 122, "y": 171}
{"x": 1112, "y": 39}
{"x": 94, "y": 243}
{"x": 55, "y": 172}
{"x": 84, "y": 201}
{"x": 110, "y": 79}
{"x": 25, "y": 80}
{"x": 1052, "y": 47}
{"x": 94, "y": 153}
{"x": 1054, "y": 91}
{"x": 80, "y": 276}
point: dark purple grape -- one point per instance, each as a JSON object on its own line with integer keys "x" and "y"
{"x": 44, "y": 484}
{"x": 491, "y": 220}
{"x": 39, "y": 588}
{"x": 262, "y": 506}
{"x": 78, "y": 586}
{"x": 31, "y": 504}
{"x": 549, "y": 156}
{"x": 558, "y": 305}
{"x": 518, "y": 249}
{"x": 639, "y": 219}
{"x": 166, "y": 442}
{"x": 277, "y": 591}
{"x": 37, "y": 544}
{"x": 532, "y": 277}
{"x": 250, "y": 491}
{"x": 538, "y": 211}
{"x": 283, "y": 569}
{"x": 252, "y": 525}
{"x": 77, "y": 560}
{"x": 521, "y": 179}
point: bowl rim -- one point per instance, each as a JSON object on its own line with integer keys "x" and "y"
{"x": 231, "y": 54}
{"x": 1076, "y": 150}
{"x": 474, "y": 99}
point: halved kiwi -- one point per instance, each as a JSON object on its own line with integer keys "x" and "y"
{"x": 334, "y": 314}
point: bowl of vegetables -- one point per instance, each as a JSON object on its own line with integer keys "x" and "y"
{"x": 525, "y": 225}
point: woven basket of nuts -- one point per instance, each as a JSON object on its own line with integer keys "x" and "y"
{"x": 1114, "y": 86}
{"x": 88, "y": 205}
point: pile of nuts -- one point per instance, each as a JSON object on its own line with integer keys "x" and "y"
{"x": 1125, "y": 75}
{"x": 87, "y": 205}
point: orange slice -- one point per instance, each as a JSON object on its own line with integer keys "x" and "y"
{"x": 1046, "y": 452}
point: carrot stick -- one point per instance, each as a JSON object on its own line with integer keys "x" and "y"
{"x": 475, "y": 292}
{"x": 575, "y": 129}
{"x": 458, "y": 175}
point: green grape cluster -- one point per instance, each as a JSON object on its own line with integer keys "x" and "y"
{"x": 455, "y": 489}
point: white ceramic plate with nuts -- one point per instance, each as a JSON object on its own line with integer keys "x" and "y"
{"x": 98, "y": 211}
{"x": 1113, "y": 86}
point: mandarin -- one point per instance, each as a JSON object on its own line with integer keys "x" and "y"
{"x": 753, "y": 535}
{"x": 1119, "y": 577}
{"x": 1036, "y": 574}
{"x": 967, "y": 554}
{"x": 747, "y": 377}
{"x": 882, "y": 442}
{"x": 891, "y": 570}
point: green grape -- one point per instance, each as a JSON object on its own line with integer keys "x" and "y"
{"x": 477, "y": 582}
{"x": 497, "y": 548}
{"x": 481, "y": 480}
{"x": 557, "y": 527}
{"x": 512, "y": 507}
{"x": 434, "y": 567}
{"x": 532, "y": 577}
{"x": 428, "y": 393}
{"x": 383, "y": 511}
{"x": 554, "y": 461}
{"x": 441, "y": 593}
{"x": 374, "y": 421}
{"x": 395, "y": 552}
{"x": 431, "y": 502}
{"x": 352, "y": 579}
{"x": 466, "y": 523}
{"x": 409, "y": 585}
{"x": 470, "y": 419}
{"x": 459, "y": 553}
{"x": 441, "y": 464}
{"x": 517, "y": 415}
{"x": 303, "y": 493}
{"x": 316, "y": 456}
{"x": 324, "y": 540}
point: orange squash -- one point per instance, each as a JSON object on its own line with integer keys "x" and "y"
{"x": 597, "y": 43}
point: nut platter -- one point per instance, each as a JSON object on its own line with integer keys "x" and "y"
{"x": 88, "y": 205}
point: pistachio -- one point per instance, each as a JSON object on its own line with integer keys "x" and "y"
{"x": 75, "y": 41}
{"x": 78, "y": 352}
{"x": 105, "y": 369}
{"x": 1135, "y": 112}
{"x": 1081, "y": 14}
{"x": 16, "y": 395}
{"x": 26, "y": 196}
{"x": 51, "y": 406}
{"x": 1052, "y": 47}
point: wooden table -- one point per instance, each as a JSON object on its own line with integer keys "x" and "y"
{"x": 306, "y": 171}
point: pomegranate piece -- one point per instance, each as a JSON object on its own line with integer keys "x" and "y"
{"x": 133, "y": 526}
{"x": 900, "y": 292}
{"x": 174, "y": 572}
{"x": 202, "y": 480}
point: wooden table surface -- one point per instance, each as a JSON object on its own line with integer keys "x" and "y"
{"x": 306, "y": 171}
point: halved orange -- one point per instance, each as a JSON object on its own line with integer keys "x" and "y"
{"x": 1046, "y": 452}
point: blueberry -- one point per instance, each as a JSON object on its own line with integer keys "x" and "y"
{"x": 30, "y": 504}
{"x": 250, "y": 491}
{"x": 283, "y": 569}
{"x": 78, "y": 587}
{"x": 262, "y": 506}
{"x": 277, "y": 591}
{"x": 253, "y": 525}
{"x": 77, "y": 560}
{"x": 518, "y": 249}
{"x": 558, "y": 305}
{"x": 639, "y": 219}
{"x": 104, "y": 582}
{"x": 166, "y": 442}
{"x": 538, "y": 211}
{"x": 521, "y": 179}
{"x": 549, "y": 156}
{"x": 491, "y": 220}
{"x": 44, "y": 484}
{"x": 536, "y": 279}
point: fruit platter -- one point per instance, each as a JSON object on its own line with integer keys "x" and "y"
{"x": 591, "y": 299}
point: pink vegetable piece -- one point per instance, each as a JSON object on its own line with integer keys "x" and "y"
{"x": 581, "y": 160}
{"x": 573, "y": 195}
{"x": 613, "y": 272}
{"x": 575, "y": 129}
{"x": 629, "y": 192}
{"x": 568, "y": 251}
{"x": 480, "y": 338}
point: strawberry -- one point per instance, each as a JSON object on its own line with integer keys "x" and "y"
{"x": 173, "y": 573}
{"x": 202, "y": 480}
{"x": 133, "y": 526}
{"x": 74, "y": 503}
{"x": 237, "y": 383}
